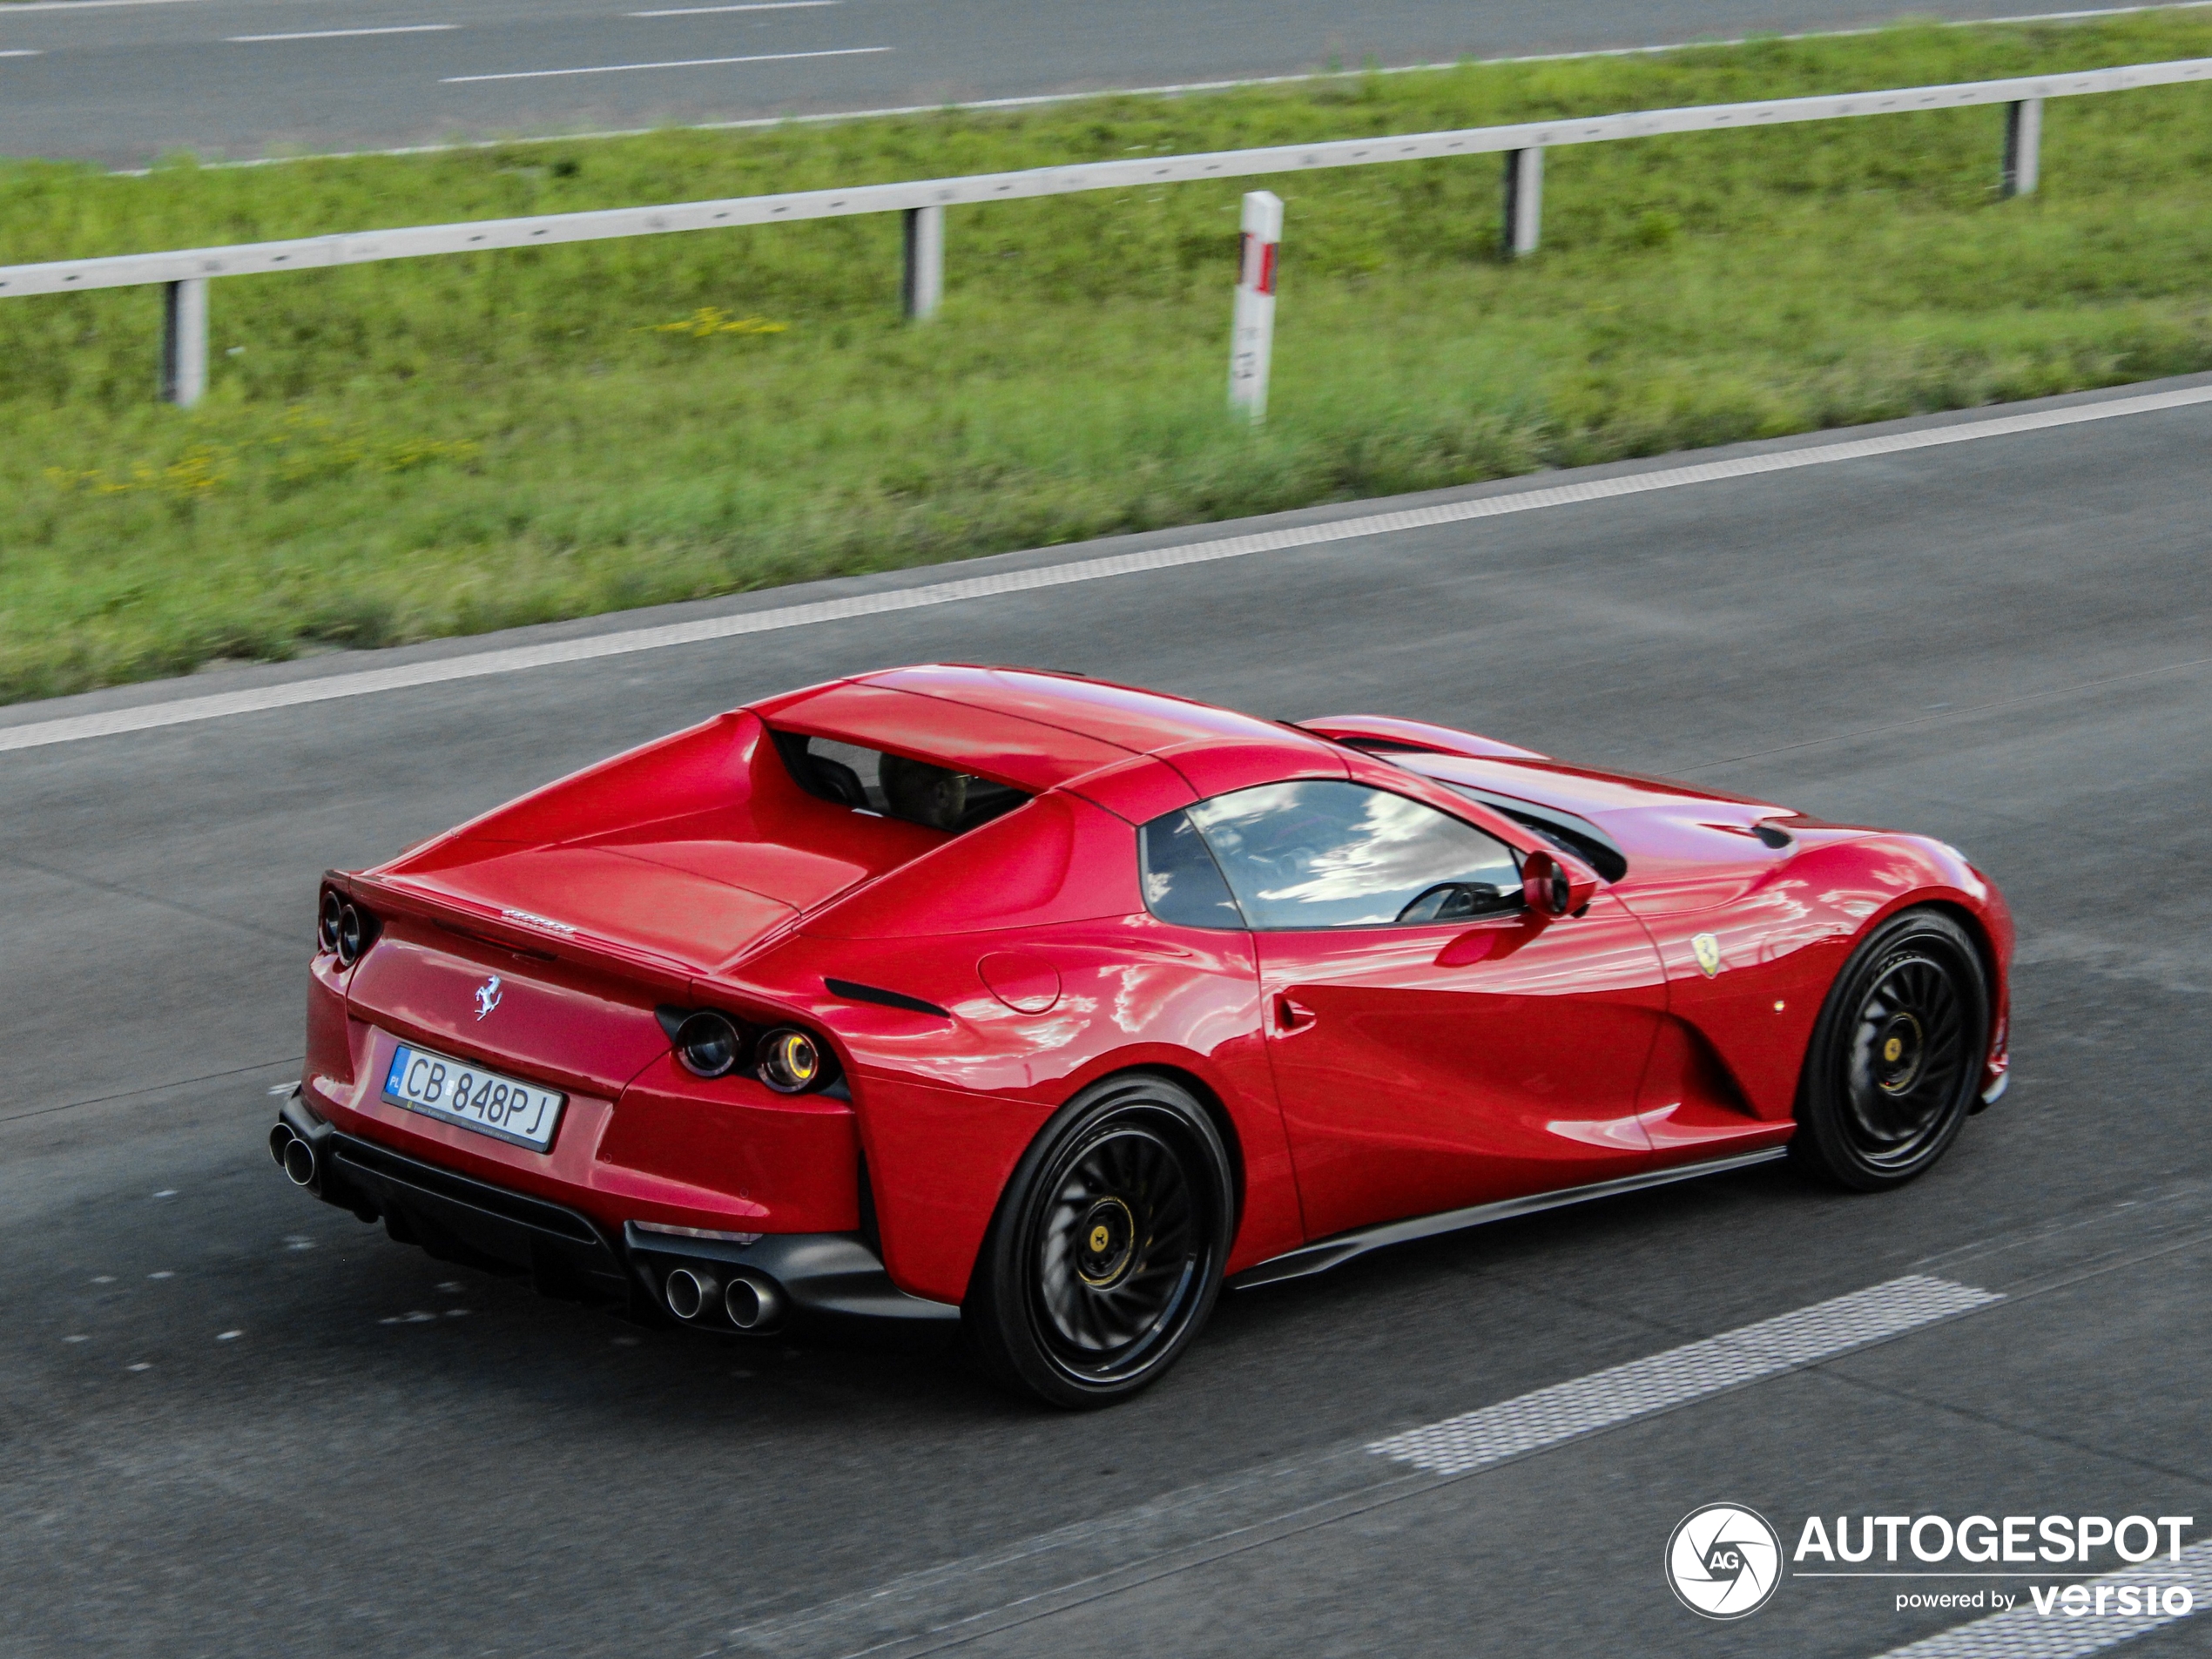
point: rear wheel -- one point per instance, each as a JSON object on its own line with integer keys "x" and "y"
{"x": 1106, "y": 1257}
{"x": 1895, "y": 1058}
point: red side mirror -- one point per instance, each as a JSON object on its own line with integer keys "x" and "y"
{"x": 1557, "y": 884}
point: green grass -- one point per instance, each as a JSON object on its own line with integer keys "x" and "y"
{"x": 445, "y": 446}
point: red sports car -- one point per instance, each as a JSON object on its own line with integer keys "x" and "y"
{"x": 1050, "y": 1006}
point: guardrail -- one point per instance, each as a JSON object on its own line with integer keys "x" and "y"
{"x": 186, "y": 272}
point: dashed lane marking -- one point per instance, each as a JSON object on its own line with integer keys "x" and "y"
{"x": 752, "y": 5}
{"x": 1661, "y": 1381}
{"x": 964, "y": 1600}
{"x": 683, "y": 62}
{"x": 345, "y": 33}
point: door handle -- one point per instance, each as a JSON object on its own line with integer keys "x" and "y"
{"x": 1292, "y": 1015}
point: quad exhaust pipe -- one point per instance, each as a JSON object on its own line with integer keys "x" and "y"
{"x": 294, "y": 1155}
{"x": 689, "y": 1292}
{"x": 749, "y": 1301}
{"x": 753, "y": 1303}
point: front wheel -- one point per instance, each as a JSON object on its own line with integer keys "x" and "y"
{"x": 1106, "y": 1256}
{"x": 1896, "y": 1058}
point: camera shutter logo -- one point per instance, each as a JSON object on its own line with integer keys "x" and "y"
{"x": 1723, "y": 1560}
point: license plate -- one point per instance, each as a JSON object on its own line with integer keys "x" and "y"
{"x": 453, "y": 1090}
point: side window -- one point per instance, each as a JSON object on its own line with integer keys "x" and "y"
{"x": 1329, "y": 854}
{"x": 1182, "y": 882}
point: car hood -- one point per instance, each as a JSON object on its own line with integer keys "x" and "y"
{"x": 1684, "y": 847}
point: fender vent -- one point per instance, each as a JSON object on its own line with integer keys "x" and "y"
{"x": 853, "y": 991}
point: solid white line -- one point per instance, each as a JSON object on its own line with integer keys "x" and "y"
{"x": 21, "y": 51}
{"x": 1662, "y": 1381}
{"x": 754, "y": 5}
{"x": 689, "y": 63}
{"x": 75, "y": 728}
{"x": 345, "y": 33}
{"x": 2026, "y": 1634}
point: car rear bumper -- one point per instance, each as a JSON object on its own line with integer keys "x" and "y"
{"x": 457, "y": 1217}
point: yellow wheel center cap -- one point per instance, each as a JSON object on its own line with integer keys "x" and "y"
{"x": 1105, "y": 1245}
{"x": 1893, "y": 1049}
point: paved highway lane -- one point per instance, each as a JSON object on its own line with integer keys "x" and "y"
{"x": 122, "y": 81}
{"x": 233, "y": 1416}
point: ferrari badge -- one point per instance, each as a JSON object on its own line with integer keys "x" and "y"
{"x": 1709, "y": 954}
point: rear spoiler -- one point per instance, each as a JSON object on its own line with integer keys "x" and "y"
{"x": 517, "y": 931}
{"x": 1381, "y": 733}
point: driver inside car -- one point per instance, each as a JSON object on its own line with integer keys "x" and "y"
{"x": 921, "y": 793}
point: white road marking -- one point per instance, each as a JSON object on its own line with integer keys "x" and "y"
{"x": 753, "y": 5}
{"x": 514, "y": 659}
{"x": 2023, "y": 1633}
{"x": 686, "y": 62}
{"x": 1036, "y": 1577}
{"x": 345, "y": 33}
{"x": 21, "y": 51}
{"x": 1661, "y": 1381}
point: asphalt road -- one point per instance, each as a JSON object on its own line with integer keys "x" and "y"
{"x": 235, "y": 1422}
{"x": 123, "y": 81}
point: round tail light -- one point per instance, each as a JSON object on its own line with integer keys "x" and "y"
{"x": 327, "y": 919}
{"x": 791, "y": 1063}
{"x": 708, "y": 1043}
{"x": 352, "y": 935}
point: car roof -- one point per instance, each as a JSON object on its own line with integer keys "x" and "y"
{"x": 1034, "y": 728}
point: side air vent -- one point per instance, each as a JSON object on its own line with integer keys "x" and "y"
{"x": 853, "y": 992}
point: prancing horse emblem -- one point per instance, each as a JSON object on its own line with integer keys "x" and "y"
{"x": 488, "y": 997}
{"x": 1707, "y": 947}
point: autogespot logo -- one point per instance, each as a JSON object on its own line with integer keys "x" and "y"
{"x": 1723, "y": 1560}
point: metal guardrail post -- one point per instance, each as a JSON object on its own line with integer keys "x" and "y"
{"x": 183, "y": 341}
{"x": 925, "y": 278}
{"x": 1524, "y": 201}
{"x": 1251, "y": 342}
{"x": 2023, "y": 145}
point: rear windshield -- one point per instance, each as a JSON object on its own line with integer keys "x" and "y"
{"x": 894, "y": 786}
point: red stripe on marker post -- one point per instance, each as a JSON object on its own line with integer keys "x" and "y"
{"x": 1252, "y": 339}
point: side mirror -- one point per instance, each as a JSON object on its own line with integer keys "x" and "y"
{"x": 1557, "y": 884}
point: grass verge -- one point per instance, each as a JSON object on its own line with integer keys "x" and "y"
{"x": 438, "y": 447}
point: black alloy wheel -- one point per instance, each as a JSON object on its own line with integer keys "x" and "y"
{"x": 1106, "y": 1255}
{"x": 1895, "y": 1060}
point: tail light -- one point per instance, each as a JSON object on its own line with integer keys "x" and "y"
{"x": 709, "y": 1044}
{"x": 356, "y": 932}
{"x": 792, "y": 1063}
{"x": 343, "y": 927}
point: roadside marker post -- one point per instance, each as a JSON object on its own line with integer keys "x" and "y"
{"x": 183, "y": 341}
{"x": 1524, "y": 215}
{"x": 924, "y": 286}
{"x": 2023, "y": 145}
{"x": 1251, "y": 343}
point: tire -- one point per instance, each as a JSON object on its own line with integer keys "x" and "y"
{"x": 1896, "y": 1058}
{"x": 1105, "y": 1257}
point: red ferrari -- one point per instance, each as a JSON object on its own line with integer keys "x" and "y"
{"x": 1049, "y": 1007}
